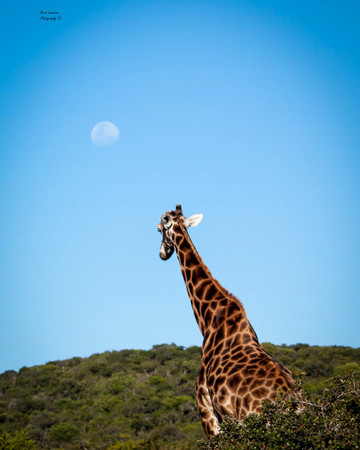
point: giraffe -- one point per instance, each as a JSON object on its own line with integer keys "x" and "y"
{"x": 237, "y": 374}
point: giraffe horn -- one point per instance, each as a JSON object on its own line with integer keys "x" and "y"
{"x": 178, "y": 209}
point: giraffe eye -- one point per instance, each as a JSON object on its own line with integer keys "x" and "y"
{"x": 167, "y": 222}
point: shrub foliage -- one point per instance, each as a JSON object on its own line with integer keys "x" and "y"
{"x": 135, "y": 399}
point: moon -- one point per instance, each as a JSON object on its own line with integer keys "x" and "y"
{"x": 105, "y": 134}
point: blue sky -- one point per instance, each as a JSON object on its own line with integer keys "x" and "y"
{"x": 245, "y": 111}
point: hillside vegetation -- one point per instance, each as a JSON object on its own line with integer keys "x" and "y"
{"x": 131, "y": 398}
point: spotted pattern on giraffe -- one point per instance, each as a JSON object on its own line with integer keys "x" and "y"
{"x": 236, "y": 374}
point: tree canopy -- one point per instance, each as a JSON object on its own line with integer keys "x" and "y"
{"x": 131, "y": 398}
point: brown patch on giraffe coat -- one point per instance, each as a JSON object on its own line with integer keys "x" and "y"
{"x": 201, "y": 324}
{"x": 238, "y": 403}
{"x": 199, "y": 274}
{"x": 219, "y": 381}
{"x": 233, "y": 342}
{"x": 181, "y": 257}
{"x": 279, "y": 382}
{"x": 249, "y": 370}
{"x": 257, "y": 360}
{"x": 242, "y": 390}
{"x": 210, "y": 292}
{"x": 183, "y": 245}
{"x": 243, "y": 325}
{"x": 232, "y": 326}
{"x": 219, "y": 347}
{"x": 219, "y": 336}
{"x": 223, "y": 391}
{"x": 203, "y": 308}
{"x": 179, "y": 239}
{"x": 261, "y": 373}
{"x": 215, "y": 363}
{"x": 239, "y": 352}
{"x": 243, "y": 360}
{"x": 211, "y": 381}
{"x": 208, "y": 357}
{"x": 201, "y": 287}
{"x": 256, "y": 406}
{"x": 238, "y": 317}
{"x": 190, "y": 289}
{"x": 215, "y": 305}
{"x": 247, "y": 402}
{"x": 218, "y": 319}
{"x": 261, "y": 392}
{"x": 234, "y": 381}
{"x": 246, "y": 338}
{"x": 208, "y": 317}
{"x": 197, "y": 306}
{"x": 191, "y": 260}
{"x": 249, "y": 350}
{"x": 256, "y": 383}
{"x": 218, "y": 371}
{"x": 236, "y": 368}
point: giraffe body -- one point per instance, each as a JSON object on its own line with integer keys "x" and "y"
{"x": 236, "y": 373}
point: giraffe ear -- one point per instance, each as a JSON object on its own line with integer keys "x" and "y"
{"x": 193, "y": 221}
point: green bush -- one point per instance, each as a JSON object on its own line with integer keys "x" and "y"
{"x": 18, "y": 441}
{"x": 131, "y": 398}
{"x": 63, "y": 432}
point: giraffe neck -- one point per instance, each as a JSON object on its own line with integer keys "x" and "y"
{"x": 208, "y": 298}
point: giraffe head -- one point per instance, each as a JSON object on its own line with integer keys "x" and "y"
{"x": 172, "y": 223}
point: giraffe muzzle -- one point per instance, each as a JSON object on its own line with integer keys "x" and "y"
{"x": 166, "y": 251}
